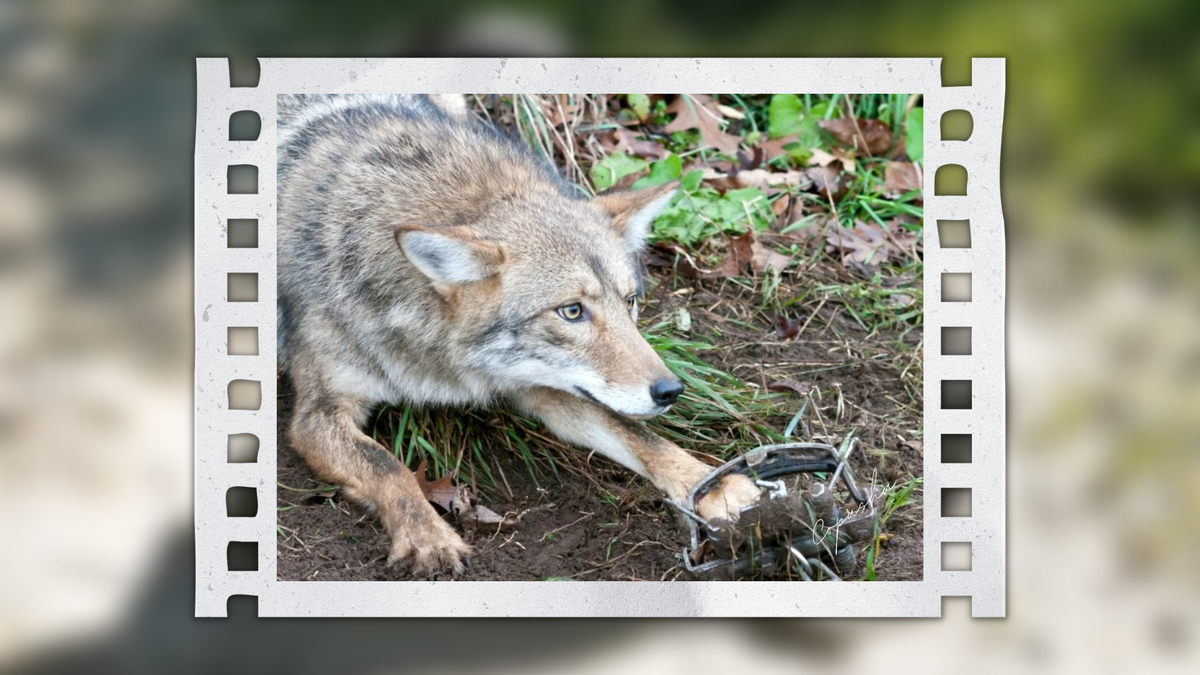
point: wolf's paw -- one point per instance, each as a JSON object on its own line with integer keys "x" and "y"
{"x": 429, "y": 547}
{"x": 734, "y": 493}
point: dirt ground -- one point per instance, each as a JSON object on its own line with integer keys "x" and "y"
{"x": 612, "y": 525}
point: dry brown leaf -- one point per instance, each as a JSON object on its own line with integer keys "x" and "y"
{"x": 472, "y": 515}
{"x": 898, "y": 151}
{"x": 482, "y": 516}
{"x": 865, "y": 136}
{"x": 757, "y": 178}
{"x": 821, "y": 158}
{"x": 786, "y": 329}
{"x": 561, "y": 111}
{"x": 764, "y": 257}
{"x": 787, "y": 209}
{"x": 627, "y": 141}
{"x": 859, "y": 244}
{"x": 774, "y": 148}
{"x": 782, "y": 207}
{"x": 825, "y": 159}
{"x": 464, "y": 498}
{"x": 900, "y": 177}
{"x": 825, "y": 178}
{"x": 699, "y": 111}
{"x": 750, "y": 160}
{"x": 849, "y": 164}
{"x": 761, "y": 178}
{"x": 869, "y": 244}
{"x": 440, "y": 492}
{"x": 741, "y": 252}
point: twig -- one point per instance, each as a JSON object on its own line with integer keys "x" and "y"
{"x": 507, "y": 490}
{"x": 837, "y": 223}
{"x": 556, "y": 530}
{"x": 811, "y": 317}
{"x": 850, "y": 111}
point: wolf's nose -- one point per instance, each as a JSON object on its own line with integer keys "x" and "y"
{"x": 666, "y": 392}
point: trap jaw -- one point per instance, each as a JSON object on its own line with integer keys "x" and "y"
{"x": 822, "y": 531}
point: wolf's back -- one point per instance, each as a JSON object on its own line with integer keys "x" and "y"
{"x": 327, "y": 144}
{"x": 302, "y": 121}
{"x": 353, "y": 168}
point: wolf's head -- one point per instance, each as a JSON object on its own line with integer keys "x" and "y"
{"x": 544, "y": 292}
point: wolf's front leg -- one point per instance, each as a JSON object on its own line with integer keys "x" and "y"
{"x": 628, "y": 443}
{"x": 325, "y": 431}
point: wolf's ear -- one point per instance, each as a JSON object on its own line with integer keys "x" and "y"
{"x": 633, "y": 210}
{"x": 450, "y": 255}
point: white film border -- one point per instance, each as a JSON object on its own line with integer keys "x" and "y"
{"x": 235, "y": 288}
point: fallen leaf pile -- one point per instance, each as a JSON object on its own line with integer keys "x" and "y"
{"x": 625, "y": 140}
{"x": 764, "y": 258}
{"x": 699, "y": 111}
{"x": 867, "y": 137}
{"x": 869, "y": 244}
{"x": 754, "y": 191}
{"x": 462, "y": 502}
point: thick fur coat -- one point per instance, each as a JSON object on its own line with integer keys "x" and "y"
{"x": 426, "y": 258}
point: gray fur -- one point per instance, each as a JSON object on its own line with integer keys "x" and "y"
{"x": 424, "y": 258}
{"x": 351, "y": 173}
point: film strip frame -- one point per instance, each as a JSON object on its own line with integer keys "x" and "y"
{"x": 235, "y": 188}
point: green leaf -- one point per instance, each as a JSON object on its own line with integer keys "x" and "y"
{"x": 752, "y": 201}
{"x": 640, "y": 104}
{"x": 914, "y": 135}
{"x": 799, "y": 152}
{"x": 783, "y": 115}
{"x": 692, "y": 180}
{"x": 613, "y": 168}
{"x": 662, "y": 171}
{"x": 809, "y": 134}
{"x": 744, "y": 194}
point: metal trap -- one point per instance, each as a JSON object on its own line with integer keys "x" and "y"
{"x": 803, "y": 522}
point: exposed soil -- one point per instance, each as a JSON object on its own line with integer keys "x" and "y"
{"x": 610, "y": 524}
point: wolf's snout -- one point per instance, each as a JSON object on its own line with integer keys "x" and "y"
{"x": 666, "y": 392}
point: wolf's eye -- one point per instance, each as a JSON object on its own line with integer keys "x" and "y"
{"x": 631, "y": 303}
{"x": 571, "y": 312}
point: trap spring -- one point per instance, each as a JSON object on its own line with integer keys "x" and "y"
{"x": 822, "y": 529}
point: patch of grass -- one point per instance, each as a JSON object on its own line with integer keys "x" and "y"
{"x": 895, "y": 498}
{"x": 701, "y": 213}
{"x": 875, "y": 307}
{"x": 717, "y": 411}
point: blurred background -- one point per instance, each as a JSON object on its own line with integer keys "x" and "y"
{"x": 1101, "y": 170}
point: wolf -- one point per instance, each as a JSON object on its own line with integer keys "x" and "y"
{"x": 425, "y": 257}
